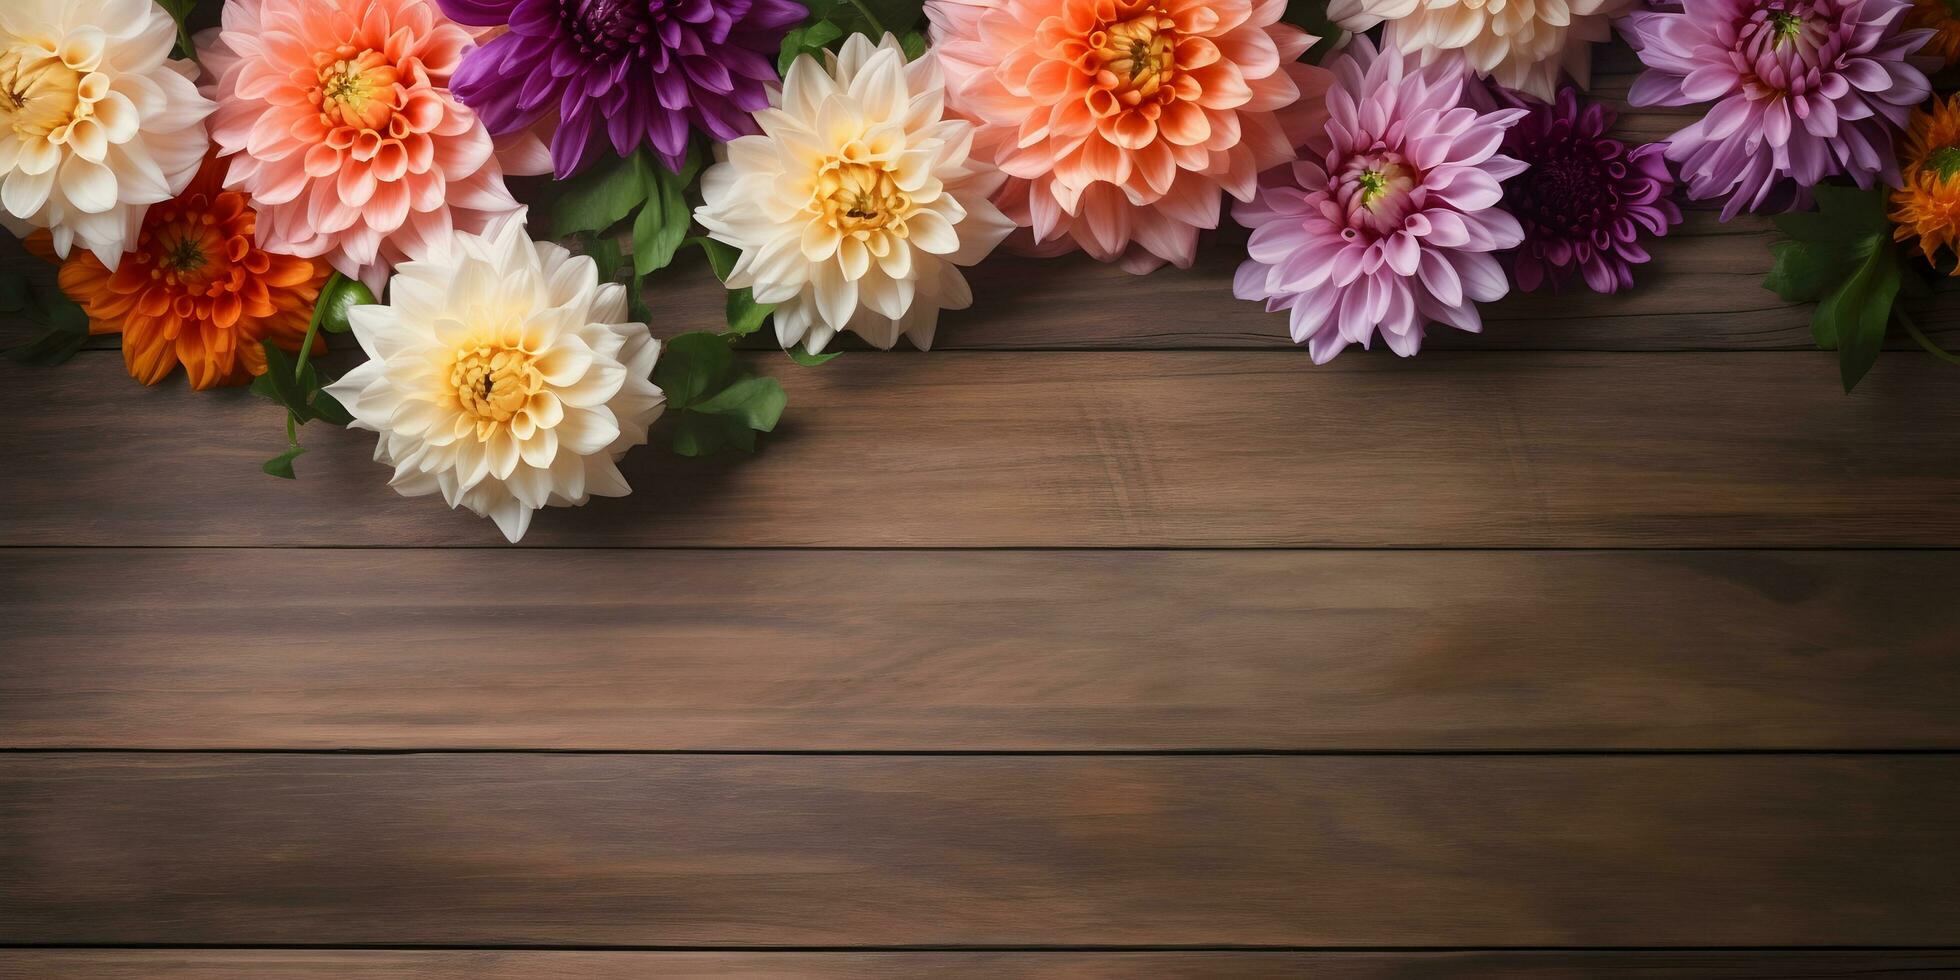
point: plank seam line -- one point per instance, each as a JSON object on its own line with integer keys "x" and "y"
{"x": 1026, "y": 549}
{"x": 987, "y": 753}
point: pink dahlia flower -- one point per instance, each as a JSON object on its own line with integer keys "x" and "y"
{"x": 339, "y": 124}
{"x": 1121, "y": 123}
{"x": 1802, "y": 90}
{"x": 1389, "y": 218}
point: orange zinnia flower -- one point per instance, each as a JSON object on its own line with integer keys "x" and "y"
{"x": 1927, "y": 207}
{"x": 197, "y": 290}
{"x": 1936, "y": 16}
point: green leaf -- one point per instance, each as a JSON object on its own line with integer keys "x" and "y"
{"x": 757, "y": 402}
{"x": 700, "y": 435}
{"x": 894, "y": 16}
{"x": 67, "y": 326}
{"x": 330, "y": 410}
{"x": 807, "y": 359}
{"x": 692, "y": 365}
{"x": 721, "y": 256}
{"x": 282, "y": 383}
{"x": 1859, "y": 312}
{"x": 1802, "y": 272}
{"x": 1844, "y": 215}
{"x": 914, "y": 44}
{"x": 663, "y": 221}
{"x": 808, "y": 39}
{"x": 605, "y": 254}
{"x": 13, "y": 291}
{"x": 745, "y": 315}
{"x": 1311, "y": 16}
{"x": 337, "y": 297}
{"x": 598, "y": 198}
{"x": 281, "y": 465}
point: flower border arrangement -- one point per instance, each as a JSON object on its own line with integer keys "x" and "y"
{"x": 224, "y": 199}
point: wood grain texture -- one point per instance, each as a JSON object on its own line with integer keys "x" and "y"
{"x": 1092, "y": 450}
{"x": 769, "y": 650}
{"x": 630, "y": 850}
{"x": 1236, "y": 965}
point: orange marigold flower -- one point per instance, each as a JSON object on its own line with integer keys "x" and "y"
{"x": 1927, "y": 206}
{"x": 1938, "y": 17}
{"x": 197, "y": 290}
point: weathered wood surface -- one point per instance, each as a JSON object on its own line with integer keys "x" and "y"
{"x": 1210, "y": 965}
{"x": 975, "y": 651}
{"x": 630, "y": 850}
{"x": 1094, "y": 450}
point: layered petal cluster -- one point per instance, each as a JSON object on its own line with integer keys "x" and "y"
{"x": 630, "y": 71}
{"x": 1121, "y": 123}
{"x": 1926, "y": 207}
{"x": 196, "y": 289}
{"x": 1388, "y": 220}
{"x": 97, "y": 122}
{"x": 1586, "y": 201}
{"x": 337, "y": 119}
{"x": 502, "y": 375}
{"x": 1802, "y": 90}
{"x": 1519, "y": 44}
{"x": 859, "y": 202}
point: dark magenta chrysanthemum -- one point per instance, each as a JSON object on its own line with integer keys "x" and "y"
{"x": 638, "y": 71}
{"x": 1587, "y": 200}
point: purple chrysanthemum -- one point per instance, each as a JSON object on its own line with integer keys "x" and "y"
{"x": 1389, "y": 218}
{"x": 1586, "y": 200}
{"x": 1803, "y": 90}
{"x": 640, "y": 71}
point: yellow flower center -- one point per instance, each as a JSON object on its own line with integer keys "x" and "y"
{"x": 355, "y": 88}
{"x": 1140, "y": 52}
{"x": 493, "y": 382}
{"x": 859, "y": 197}
{"x": 38, "y": 94}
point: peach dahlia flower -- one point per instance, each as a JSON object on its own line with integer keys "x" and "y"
{"x": 1121, "y": 123}
{"x": 337, "y": 119}
{"x": 1519, "y": 44}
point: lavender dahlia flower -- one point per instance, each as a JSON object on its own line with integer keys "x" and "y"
{"x": 1586, "y": 200}
{"x": 1390, "y": 216}
{"x": 1802, "y": 90}
{"x": 641, "y": 71}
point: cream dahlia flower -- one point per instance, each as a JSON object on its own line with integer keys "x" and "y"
{"x": 857, "y": 205}
{"x": 500, "y": 374}
{"x": 97, "y": 122}
{"x": 1519, "y": 44}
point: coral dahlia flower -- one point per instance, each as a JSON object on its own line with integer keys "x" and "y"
{"x": 196, "y": 289}
{"x": 502, "y": 375}
{"x": 97, "y": 122}
{"x": 1519, "y": 44}
{"x": 1585, "y": 201}
{"x": 630, "y": 71}
{"x": 1121, "y": 123}
{"x": 857, "y": 205}
{"x": 1802, "y": 90}
{"x": 337, "y": 119}
{"x": 1388, "y": 220}
{"x": 1926, "y": 206}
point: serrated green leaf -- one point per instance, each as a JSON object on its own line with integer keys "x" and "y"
{"x": 807, "y": 359}
{"x": 758, "y": 402}
{"x": 600, "y": 197}
{"x": 1859, "y": 312}
{"x": 281, "y": 465}
{"x": 807, "y": 39}
{"x": 691, "y": 366}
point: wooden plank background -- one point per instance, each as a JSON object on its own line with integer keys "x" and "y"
{"x": 1112, "y": 639}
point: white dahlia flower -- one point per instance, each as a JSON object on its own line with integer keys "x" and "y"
{"x": 97, "y": 122}
{"x": 857, "y": 205}
{"x": 1519, "y": 44}
{"x": 500, "y": 373}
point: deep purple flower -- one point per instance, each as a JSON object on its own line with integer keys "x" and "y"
{"x": 641, "y": 71}
{"x": 1802, "y": 90}
{"x": 1587, "y": 200}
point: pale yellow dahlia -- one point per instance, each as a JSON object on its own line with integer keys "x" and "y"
{"x": 1519, "y": 44}
{"x": 501, "y": 374}
{"x": 97, "y": 122}
{"x": 859, "y": 202}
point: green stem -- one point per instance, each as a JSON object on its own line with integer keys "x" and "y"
{"x": 1925, "y": 341}
{"x": 869, "y": 18}
{"x": 313, "y": 325}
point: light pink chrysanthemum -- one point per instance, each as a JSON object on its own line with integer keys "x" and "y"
{"x": 1120, "y": 122}
{"x": 338, "y": 122}
{"x": 1389, "y": 217}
